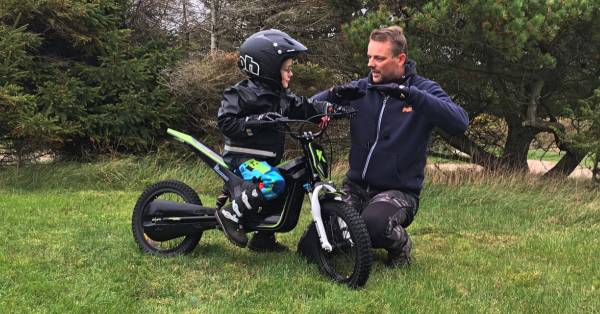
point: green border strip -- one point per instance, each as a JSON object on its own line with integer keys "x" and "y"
{"x": 188, "y": 139}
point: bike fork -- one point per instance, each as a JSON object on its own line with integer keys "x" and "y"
{"x": 315, "y": 209}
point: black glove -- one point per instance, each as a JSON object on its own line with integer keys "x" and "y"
{"x": 264, "y": 117}
{"x": 344, "y": 110}
{"x": 257, "y": 120}
{"x": 393, "y": 89}
{"x": 347, "y": 92}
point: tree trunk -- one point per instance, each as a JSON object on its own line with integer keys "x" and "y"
{"x": 515, "y": 149}
{"x": 517, "y": 145}
{"x": 566, "y": 164}
{"x": 213, "y": 25}
{"x": 185, "y": 26}
{"x": 478, "y": 155}
{"x": 596, "y": 169}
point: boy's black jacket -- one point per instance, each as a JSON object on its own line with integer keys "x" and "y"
{"x": 251, "y": 97}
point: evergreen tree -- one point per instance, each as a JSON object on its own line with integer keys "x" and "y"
{"x": 76, "y": 83}
{"x": 527, "y": 63}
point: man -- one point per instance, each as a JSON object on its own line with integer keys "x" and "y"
{"x": 397, "y": 110}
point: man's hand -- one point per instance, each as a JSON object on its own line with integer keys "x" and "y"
{"x": 393, "y": 89}
{"x": 347, "y": 92}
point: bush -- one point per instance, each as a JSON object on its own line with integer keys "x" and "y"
{"x": 73, "y": 81}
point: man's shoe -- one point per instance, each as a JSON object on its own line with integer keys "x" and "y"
{"x": 399, "y": 256}
{"x": 266, "y": 242}
{"x": 308, "y": 246}
{"x": 229, "y": 221}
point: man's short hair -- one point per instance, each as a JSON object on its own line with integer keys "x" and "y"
{"x": 393, "y": 34}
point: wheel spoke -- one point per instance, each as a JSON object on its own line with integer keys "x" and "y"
{"x": 350, "y": 260}
{"x": 168, "y": 244}
{"x": 343, "y": 255}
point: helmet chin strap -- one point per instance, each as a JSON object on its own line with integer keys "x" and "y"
{"x": 270, "y": 82}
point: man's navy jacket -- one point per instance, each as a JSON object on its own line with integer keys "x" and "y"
{"x": 390, "y": 136}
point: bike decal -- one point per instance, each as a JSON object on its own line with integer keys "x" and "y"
{"x": 188, "y": 139}
{"x": 318, "y": 160}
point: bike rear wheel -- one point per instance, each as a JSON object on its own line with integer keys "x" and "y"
{"x": 350, "y": 260}
{"x": 172, "y": 190}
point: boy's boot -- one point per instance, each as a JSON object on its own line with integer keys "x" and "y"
{"x": 264, "y": 241}
{"x": 230, "y": 216}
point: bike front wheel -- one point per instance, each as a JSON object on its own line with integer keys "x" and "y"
{"x": 350, "y": 260}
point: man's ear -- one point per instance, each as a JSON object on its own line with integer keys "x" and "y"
{"x": 401, "y": 59}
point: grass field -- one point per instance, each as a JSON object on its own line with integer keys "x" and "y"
{"x": 492, "y": 244}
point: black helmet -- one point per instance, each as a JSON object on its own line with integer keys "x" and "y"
{"x": 262, "y": 54}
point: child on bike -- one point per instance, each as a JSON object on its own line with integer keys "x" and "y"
{"x": 252, "y": 147}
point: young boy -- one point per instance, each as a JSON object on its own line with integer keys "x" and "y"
{"x": 251, "y": 147}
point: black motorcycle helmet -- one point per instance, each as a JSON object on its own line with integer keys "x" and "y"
{"x": 262, "y": 54}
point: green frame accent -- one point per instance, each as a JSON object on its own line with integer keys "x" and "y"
{"x": 318, "y": 158}
{"x": 278, "y": 223}
{"x": 188, "y": 139}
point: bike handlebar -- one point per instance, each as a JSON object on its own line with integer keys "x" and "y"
{"x": 285, "y": 122}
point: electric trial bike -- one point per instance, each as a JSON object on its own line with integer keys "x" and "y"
{"x": 169, "y": 217}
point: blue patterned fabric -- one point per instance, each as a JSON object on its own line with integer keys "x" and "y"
{"x": 259, "y": 172}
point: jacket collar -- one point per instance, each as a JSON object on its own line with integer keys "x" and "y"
{"x": 260, "y": 87}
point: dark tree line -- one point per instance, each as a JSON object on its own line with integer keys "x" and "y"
{"x": 81, "y": 78}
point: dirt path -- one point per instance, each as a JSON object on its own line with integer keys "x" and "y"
{"x": 535, "y": 166}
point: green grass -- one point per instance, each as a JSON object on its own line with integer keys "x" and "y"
{"x": 539, "y": 154}
{"x": 553, "y": 156}
{"x": 481, "y": 244}
{"x": 533, "y": 154}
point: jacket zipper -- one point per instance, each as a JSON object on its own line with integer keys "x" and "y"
{"x": 376, "y": 137}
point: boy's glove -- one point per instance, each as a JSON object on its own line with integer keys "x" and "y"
{"x": 347, "y": 92}
{"x": 393, "y": 89}
{"x": 255, "y": 121}
{"x": 263, "y": 117}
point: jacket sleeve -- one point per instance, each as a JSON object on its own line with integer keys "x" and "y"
{"x": 229, "y": 118}
{"x": 329, "y": 96}
{"x": 433, "y": 102}
{"x": 304, "y": 108}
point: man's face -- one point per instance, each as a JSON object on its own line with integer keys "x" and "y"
{"x": 385, "y": 67}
